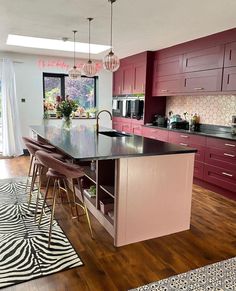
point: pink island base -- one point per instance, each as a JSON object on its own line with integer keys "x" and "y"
{"x": 153, "y": 197}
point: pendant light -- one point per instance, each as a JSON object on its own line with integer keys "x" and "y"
{"x": 74, "y": 73}
{"x": 111, "y": 62}
{"x": 90, "y": 68}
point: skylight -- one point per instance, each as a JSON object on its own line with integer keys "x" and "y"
{"x": 54, "y": 44}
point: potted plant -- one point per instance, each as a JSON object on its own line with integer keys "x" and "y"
{"x": 66, "y": 107}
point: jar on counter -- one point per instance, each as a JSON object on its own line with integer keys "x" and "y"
{"x": 93, "y": 165}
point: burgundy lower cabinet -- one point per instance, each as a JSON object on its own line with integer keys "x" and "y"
{"x": 128, "y": 125}
{"x": 137, "y": 129}
{"x": 221, "y": 177}
{"x": 229, "y": 79}
{"x": 116, "y": 125}
{"x": 221, "y": 158}
{"x": 198, "y": 171}
{"x": 155, "y": 133}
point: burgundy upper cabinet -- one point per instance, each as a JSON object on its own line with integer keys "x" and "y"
{"x": 128, "y": 79}
{"x": 131, "y": 76}
{"x": 204, "y": 59}
{"x": 168, "y": 66}
{"x": 139, "y": 77}
{"x": 118, "y": 82}
{"x": 230, "y": 54}
{"x": 167, "y": 85}
{"x": 229, "y": 79}
{"x": 203, "y": 81}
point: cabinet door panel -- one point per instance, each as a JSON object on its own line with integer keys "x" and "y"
{"x": 126, "y": 127}
{"x": 128, "y": 79}
{"x": 220, "y": 158}
{"x": 117, "y": 82}
{"x": 223, "y": 144}
{"x": 229, "y": 79}
{"x": 117, "y": 126}
{"x": 221, "y": 177}
{"x": 139, "y": 78}
{"x": 168, "y": 66}
{"x": 166, "y": 85}
{"x": 205, "y": 59}
{"x": 230, "y": 54}
{"x": 198, "y": 170}
{"x": 203, "y": 81}
{"x": 137, "y": 129}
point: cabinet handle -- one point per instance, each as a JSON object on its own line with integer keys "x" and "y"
{"x": 184, "y": 136}
{"x": 230, "y": 145}
{"x": 229, "y": 155}
{"x": 228, "y": 79}
{"x": 164, "y": 90}
{"x": 184, "y": 144}
{"x": 230, "y": 54}
{"x": 227, "y": 174}
{"x": 199, "y": 88}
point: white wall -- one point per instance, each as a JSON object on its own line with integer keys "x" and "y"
{"x": 29, "y": 85}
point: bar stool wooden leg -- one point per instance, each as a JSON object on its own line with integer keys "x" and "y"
{"x": 53, "y": 210}
{"x": 68, "y": 198}
{"x": 29, "y": 173}
{"x": 38, "y": 193}
{"x": 35, "y": 170}
{"x": 85, "y": 207}
{"x": 44, "y": 201}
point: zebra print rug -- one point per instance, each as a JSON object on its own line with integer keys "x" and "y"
{"x": 24, "y": 253}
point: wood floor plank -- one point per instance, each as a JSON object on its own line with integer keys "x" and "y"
{"x": 211, "y": 238}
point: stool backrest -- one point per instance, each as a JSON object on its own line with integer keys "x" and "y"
{"x": 32, "y": 148}
{"x": 37, "y": 143}
{"x": 67, "y": 169}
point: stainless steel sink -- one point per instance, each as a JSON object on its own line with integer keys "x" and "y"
{"x": 113, "y": 133}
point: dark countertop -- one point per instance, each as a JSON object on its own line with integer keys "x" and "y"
{"x": 81, "y": 142}
{"x": 205, "y": 132}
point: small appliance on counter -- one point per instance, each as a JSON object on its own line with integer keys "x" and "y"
{"x": 160, "y": 120}
{"x": 176, "y": 122}
{"x": 117, "y": 105}
{"x": 233, "y": 125}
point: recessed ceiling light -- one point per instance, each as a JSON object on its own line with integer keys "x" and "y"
{"x": 54, "y": 44}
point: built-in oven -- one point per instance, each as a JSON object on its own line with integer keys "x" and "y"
{"x": 117, "y": 107}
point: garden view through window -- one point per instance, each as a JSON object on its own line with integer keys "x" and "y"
{"x": 82, "y": 91}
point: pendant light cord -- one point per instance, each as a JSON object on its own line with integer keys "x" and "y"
{"x": 111, "y": 24}
{"x": 89, "y": 19}
{"x": 74, "y": 45}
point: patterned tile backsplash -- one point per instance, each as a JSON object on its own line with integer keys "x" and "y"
{"x": 217, "y": 110}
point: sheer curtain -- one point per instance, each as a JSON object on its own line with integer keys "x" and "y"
{"x": 11, "y": 132}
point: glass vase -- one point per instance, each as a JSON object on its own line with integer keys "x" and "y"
{"x": 66, "y": 122}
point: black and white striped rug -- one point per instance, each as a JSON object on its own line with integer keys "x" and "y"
{"x": 24, "y": 253}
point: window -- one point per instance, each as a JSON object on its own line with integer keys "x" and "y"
{"x": 0, "y": 118}
{"x": 82, "y": 90}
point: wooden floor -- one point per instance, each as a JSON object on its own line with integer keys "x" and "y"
{"x": 212, "y": 238}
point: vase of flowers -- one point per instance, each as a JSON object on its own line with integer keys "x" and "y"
{"x": 66, "y": 108}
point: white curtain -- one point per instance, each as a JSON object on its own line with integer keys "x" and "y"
{"x": 11, "y": 132}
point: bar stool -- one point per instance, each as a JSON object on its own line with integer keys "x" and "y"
{"x": 38, "y": 168}
{"x": 61, "y": 170}
{"x": 39, "y": 144}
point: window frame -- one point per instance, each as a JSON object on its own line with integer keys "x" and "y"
{"x": 63, "y": 89}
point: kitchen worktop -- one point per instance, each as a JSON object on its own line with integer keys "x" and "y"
{"x": 204, "y": 131}
{"x": 83, "y": 143}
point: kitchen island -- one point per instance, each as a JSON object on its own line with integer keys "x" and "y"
{"x": 143, "y": 186}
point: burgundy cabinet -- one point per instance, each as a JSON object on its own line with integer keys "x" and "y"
{"x": 156, "y": 133}
{"x": 118, "y": 82}
{"x": 167, "y": 85}
{"x": 229, "y": 79}
{"x": 222, "y": 144}
{"x": 230, "y": 54}
{"x": 128, "y": 79}
{"x": 203, "y": 81}
{"x": 221, "y": 158}
{"x": 221, "y": 177}
{"x": 204, "y": 59}
{"x": 198, "y": 171}
{"x": 117, "y": 126}
{"x": 168, "y": 66}
{"x": 139, "y": 82}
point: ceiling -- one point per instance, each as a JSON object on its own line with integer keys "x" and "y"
{"x": 138, "y": 25}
